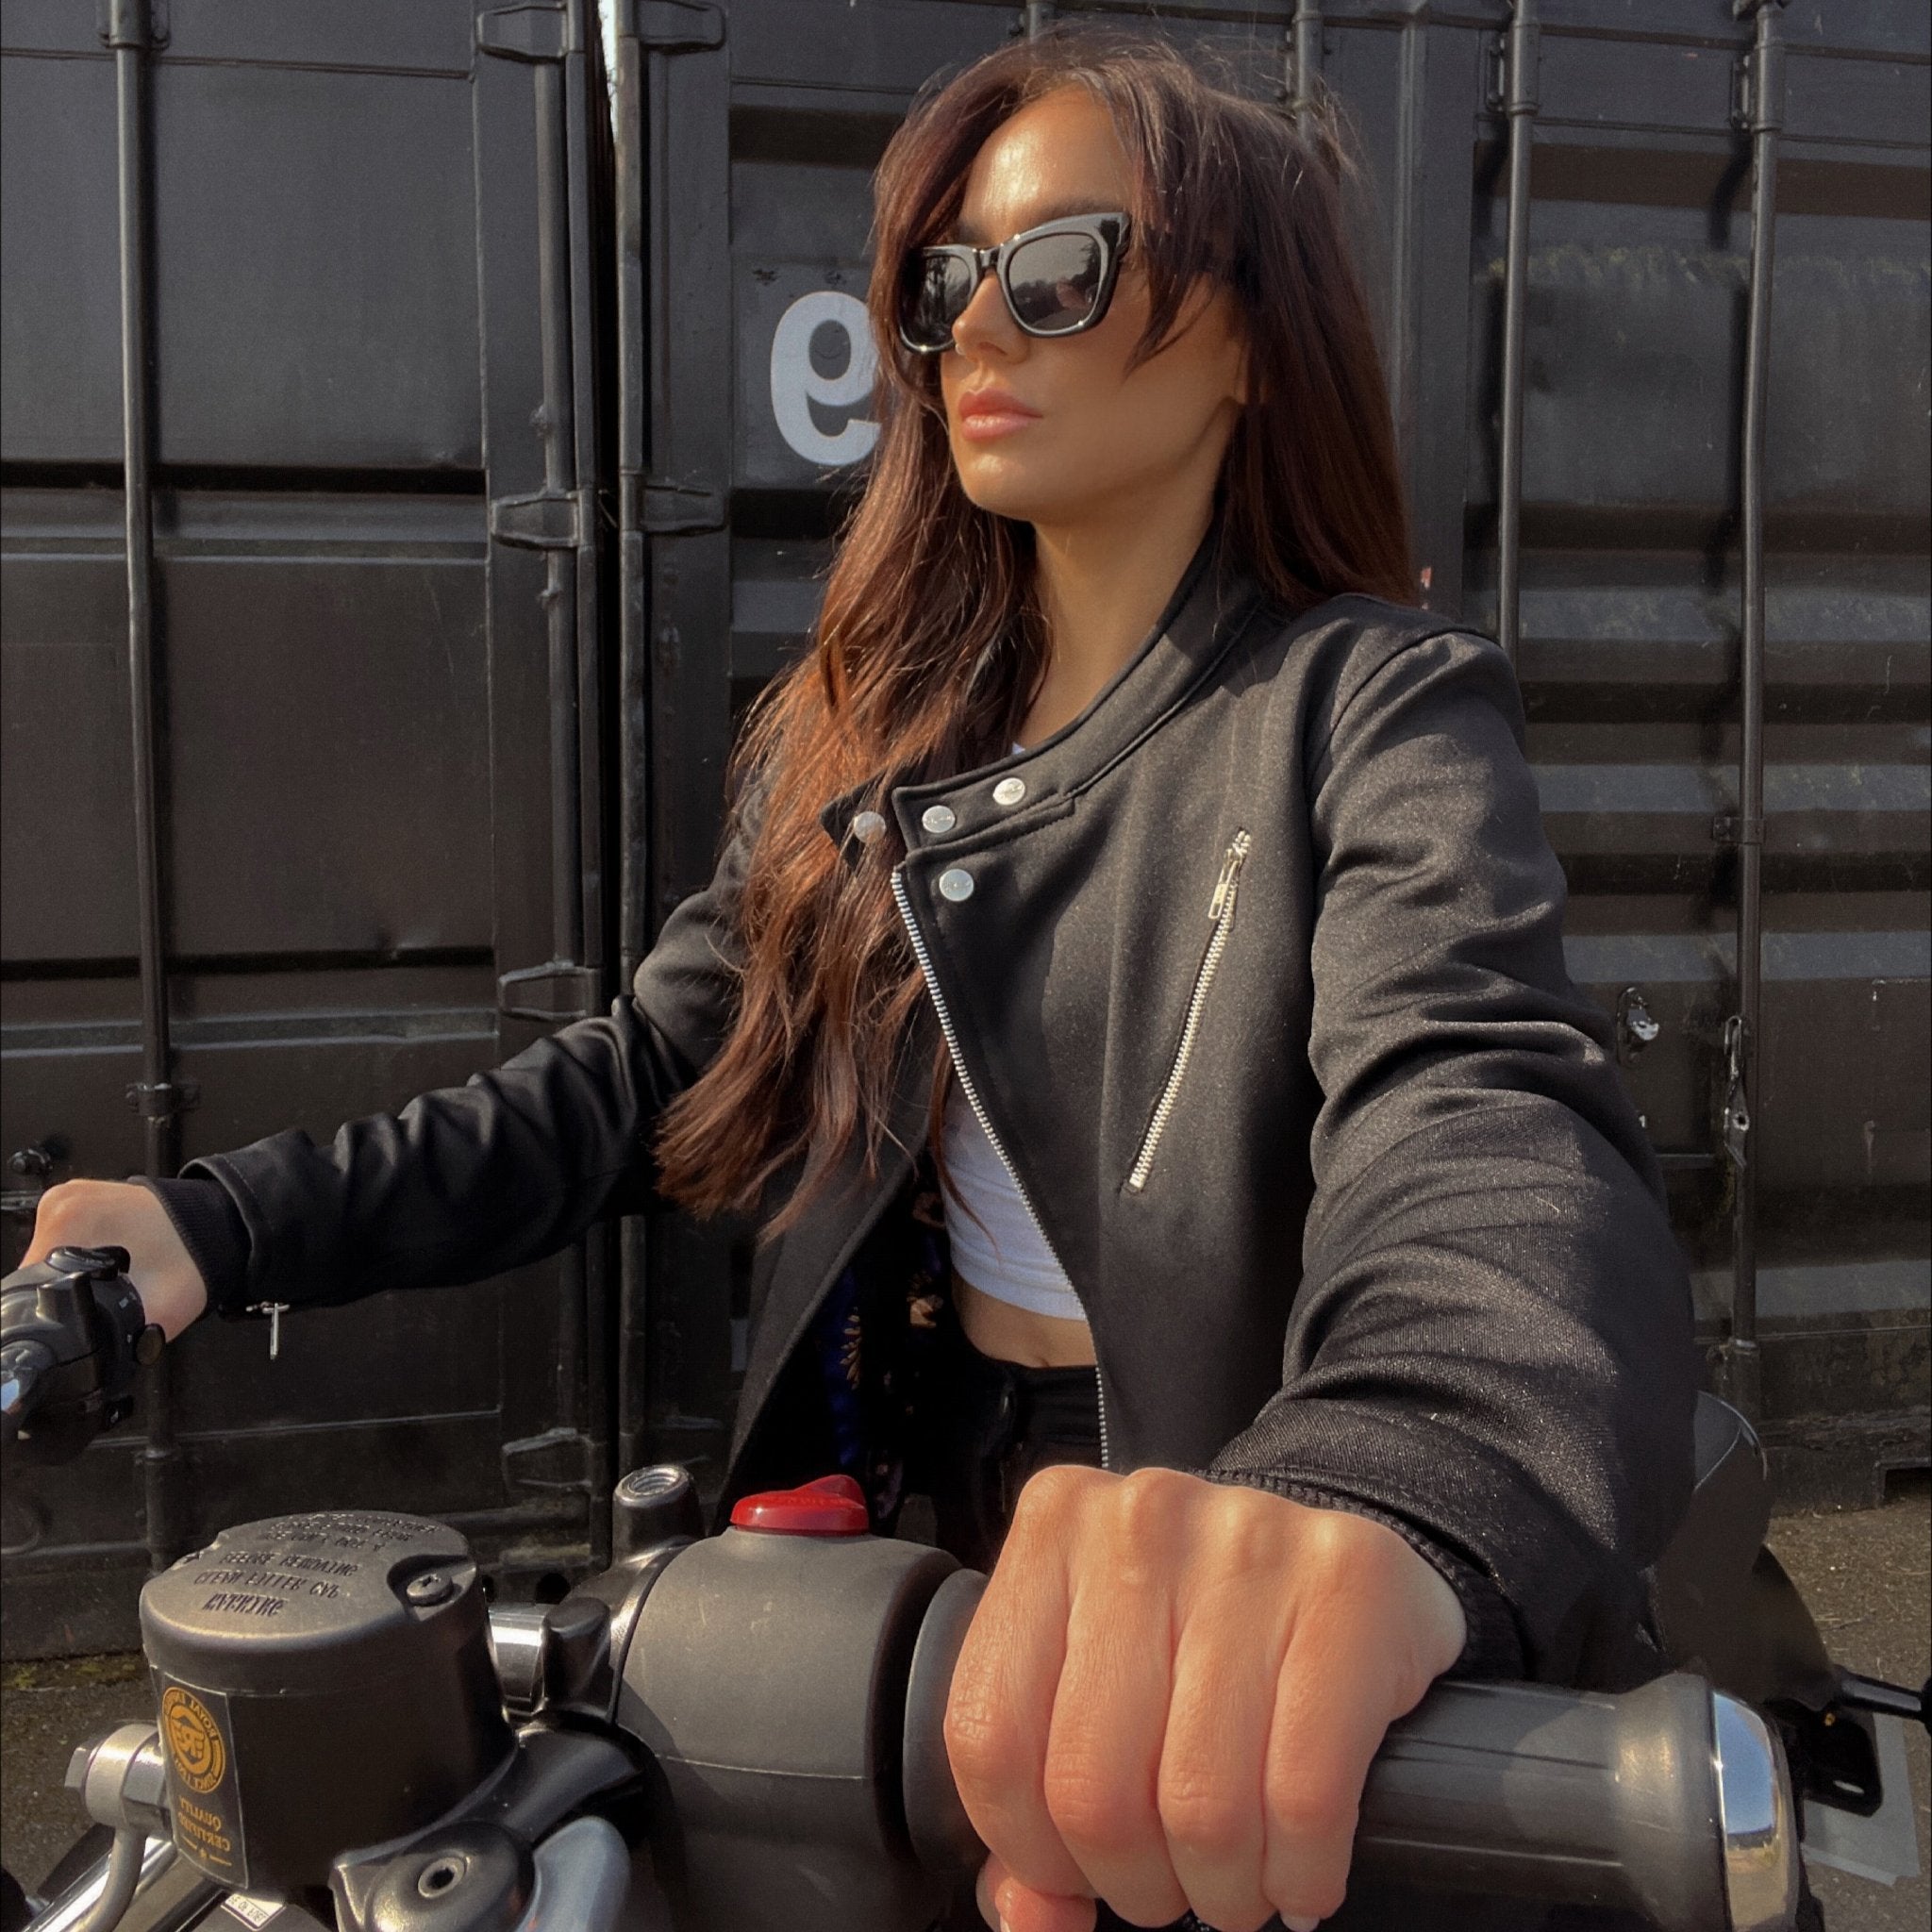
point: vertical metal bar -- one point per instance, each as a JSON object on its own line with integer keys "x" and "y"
{"x": 1763, "y": 118}
{"x": 1305, "y": 65}
{"x": 559, "y": 603}
{"x": 585, "y": 101}
{"x": 157, "y": 1097}
{"x": 1519, "y": 107}
{"x": 633, "y": 672}
{"x": 1036, "y": 16}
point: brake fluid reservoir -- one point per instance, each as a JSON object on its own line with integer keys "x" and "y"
{"x": 323, "y": 1682}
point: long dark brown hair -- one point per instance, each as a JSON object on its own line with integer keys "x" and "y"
{"x": 930, "y": 645}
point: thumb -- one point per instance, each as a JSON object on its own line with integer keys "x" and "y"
{"x": 1012, "y": 1906}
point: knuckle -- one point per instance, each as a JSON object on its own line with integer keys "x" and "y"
{"x": 1245, "y": 1537}
{"x": 59, "y": 1210}
{"x": 1310, "y": 1814}
{"x": 1089, "y": 1809}
{"x": 1206, "y": 1816}
{"x": 978, "y": 1746}
{"x": 1143, "y": 1509}
{"x": 1050, "y": 1494}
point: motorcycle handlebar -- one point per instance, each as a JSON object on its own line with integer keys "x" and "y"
{"x": 1671, "y": 1800}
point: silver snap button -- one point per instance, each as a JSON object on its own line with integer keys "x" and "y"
{"x": 867, "y": 825}
{"x": 1010, "y": 791}
{"x": 937, "y": 817}
{"x": 955, "y": 884}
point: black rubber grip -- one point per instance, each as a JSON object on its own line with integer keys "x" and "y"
{"x": 1559, "y": 1795}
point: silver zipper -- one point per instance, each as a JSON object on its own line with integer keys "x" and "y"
{"x": 1221, "y": 912}
{"x": 985, "y": 1126}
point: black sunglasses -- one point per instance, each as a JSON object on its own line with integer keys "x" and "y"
{"x": 1057, "y": 279}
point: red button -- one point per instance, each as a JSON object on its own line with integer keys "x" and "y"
{"x": 833, "y": 1505}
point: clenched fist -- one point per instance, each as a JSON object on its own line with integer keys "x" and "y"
{"x": 1170, "y": 1693}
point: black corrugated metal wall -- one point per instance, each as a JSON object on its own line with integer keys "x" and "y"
{"x": 758, "y": 126}
{"x": 495, "y": 453}
{"x": 367, "y": 293}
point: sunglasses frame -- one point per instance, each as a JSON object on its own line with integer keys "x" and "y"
{"x": 1110, "y": 231}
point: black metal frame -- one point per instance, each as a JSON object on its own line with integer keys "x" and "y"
{"x": 1761, "y": 121}
{"x": 132, "y": 28}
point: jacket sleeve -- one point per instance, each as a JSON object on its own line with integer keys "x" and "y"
{"x": 1492, "y": 1343}
{"x": 510, "y": 1167}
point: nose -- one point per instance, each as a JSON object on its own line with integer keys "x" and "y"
{"x": 985, "y": 322}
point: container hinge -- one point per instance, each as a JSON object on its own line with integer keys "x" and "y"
{"x": 664, "y": 509}
{"x": 556, "y": 1459}
{"x": 1732, "y": 829}
{"x": 1511, "y": 85}
{"x": 546, "y": 520}
{"x": 672, "y": 27}
{"x": 539, "y": 31}
{"x": 1758, "y": 78}
{"x": 132, "y": 23}
{"x": 1736, "y": 1115}
{"x": 162, "y": 1099}
{"x": 557, "y": 989}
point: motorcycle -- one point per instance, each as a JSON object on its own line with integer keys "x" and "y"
{"x": 732, "y": 1732}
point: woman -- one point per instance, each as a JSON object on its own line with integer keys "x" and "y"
{"x": 1132, "y": 856}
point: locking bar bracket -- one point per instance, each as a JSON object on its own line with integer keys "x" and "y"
{"x": 544, "y": 519}
{"x": 556, "y": 990}
{"x": 672, "y": 27}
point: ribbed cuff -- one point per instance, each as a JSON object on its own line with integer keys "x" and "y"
{"x": 214, "y": 1234}
{"x": 1493, "y": 1646}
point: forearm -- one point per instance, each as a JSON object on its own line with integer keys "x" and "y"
{"x": 460, "y": 1184}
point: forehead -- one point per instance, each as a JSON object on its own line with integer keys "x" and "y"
{"x": 1057, "y": 156}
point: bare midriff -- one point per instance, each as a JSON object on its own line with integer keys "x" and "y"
{"x": 1018, "y": 1335}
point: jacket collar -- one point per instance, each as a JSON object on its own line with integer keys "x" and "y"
{"x": 1211, "y": 606}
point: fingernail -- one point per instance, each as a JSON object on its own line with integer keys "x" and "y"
{"x": 1292, "y": 1924}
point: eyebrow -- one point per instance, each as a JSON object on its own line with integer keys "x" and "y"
{"x": 967, "y": 232}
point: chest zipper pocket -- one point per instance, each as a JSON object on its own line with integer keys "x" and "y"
{"x": 1221, "y": 919}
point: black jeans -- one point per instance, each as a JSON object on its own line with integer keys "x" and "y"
{"x": 982, "y": 1427}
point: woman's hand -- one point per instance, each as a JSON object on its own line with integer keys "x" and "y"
{"x": 1170, "y": 1693}
{"x": 119, "y": 1214}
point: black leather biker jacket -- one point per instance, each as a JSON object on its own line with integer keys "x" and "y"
{"x": 1255, "y": 974}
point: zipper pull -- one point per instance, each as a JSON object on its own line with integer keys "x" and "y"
{"x": 1230, "y": 870}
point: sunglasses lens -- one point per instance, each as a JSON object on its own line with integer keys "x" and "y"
{"x": 938, "y": 288}
{"x": 1055, "y": 282}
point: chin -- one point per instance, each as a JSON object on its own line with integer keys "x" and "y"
{"x": 1006, "y": 491}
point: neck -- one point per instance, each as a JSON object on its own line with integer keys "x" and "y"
{"x": 1101, "y": 586}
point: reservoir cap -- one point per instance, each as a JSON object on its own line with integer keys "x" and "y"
{"x": 832, "y": 1506}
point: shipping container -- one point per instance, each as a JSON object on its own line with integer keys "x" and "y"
{"x": 355, "y": 250}
{"x": 510, "y": 376}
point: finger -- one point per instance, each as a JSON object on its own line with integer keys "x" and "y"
{"x": 999, "y": 1712}
{"x": 1330, "y": 1710}
{"x": 1103, "y": 1760}
{"x": 1004, "y": 1902}
{"x": 1226, "y": 1672}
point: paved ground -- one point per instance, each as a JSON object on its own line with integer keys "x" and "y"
{"x": 1865, "y": 1574}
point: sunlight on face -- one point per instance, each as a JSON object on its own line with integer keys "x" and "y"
{"x": 1102, "y": 436}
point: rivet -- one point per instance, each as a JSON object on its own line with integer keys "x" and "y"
{"x": 955, "y": 884}
{"x": 1010, "y": 791}
{"x": 867, "y": 825}
{"x": 937, "y": 817}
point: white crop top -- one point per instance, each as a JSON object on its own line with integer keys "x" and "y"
{"x": 997, "y": 1247}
